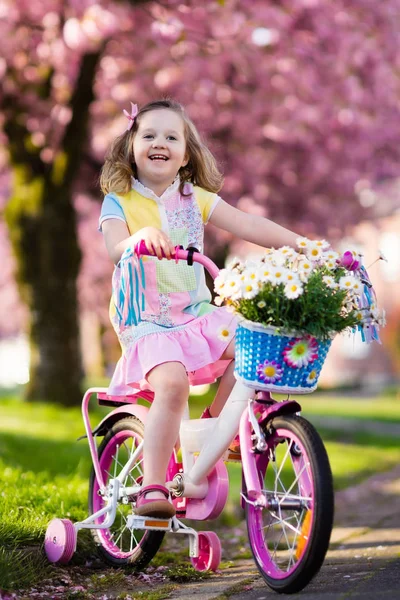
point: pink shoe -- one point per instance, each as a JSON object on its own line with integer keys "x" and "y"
{"x": 235, "y": 444}
{"x": 154, "y": 507}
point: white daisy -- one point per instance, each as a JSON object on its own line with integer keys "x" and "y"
{"x": 358, "y": 287}
{"x": 314, "y": 252}
{"x": 330, "y": 282}
{"x": 293, "y": 290}
{"x": 249, "y": 289}
{"x": 321, "y": 244}
{"x": 305, "y": 269}
{"x": 305, "y": 264}
{"x": 359, "y": 316}
{"x": 278, "y": 275}
{"x": 287, "y": 251}
{"x": 347, "y": 282}
{"x": 223, "y": 333}
{"x": 251, "y": 272}
{"x": 330, "y": 264}
{"x": 303, "y": 243}
{"x": 232, "y": 285}
{"x": 219, "y": 287}
{"x": 261, "y": 304}
{"x": 330, "y": 255}
{"x": 284, "y": 254}
{"x": 291, "y": 276}
{"x": 220, "y": 280}
{"x": 268, "y": 254}
{"x": 265, "y": 272}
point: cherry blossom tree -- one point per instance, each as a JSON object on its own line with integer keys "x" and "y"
{"x": 299, "y": 99}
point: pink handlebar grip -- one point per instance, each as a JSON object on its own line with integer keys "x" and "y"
{"x": 141, "y": 250}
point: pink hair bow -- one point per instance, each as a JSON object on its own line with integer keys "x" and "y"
{"x": 131, "y": 117}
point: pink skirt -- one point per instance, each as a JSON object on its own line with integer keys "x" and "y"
{"x": 199, "y": 346}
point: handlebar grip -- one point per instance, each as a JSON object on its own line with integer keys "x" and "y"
{"x": 141, "y": 248}
{"x": 180, "y": 254}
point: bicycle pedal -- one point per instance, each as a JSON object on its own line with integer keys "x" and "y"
{"x": 140, "y": 522}
{"x": 232, "y": 457}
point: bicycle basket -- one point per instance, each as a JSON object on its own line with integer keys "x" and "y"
{"x": 267, "y": 358}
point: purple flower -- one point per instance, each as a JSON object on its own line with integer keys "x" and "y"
{"x": 269, "y": 371}
{"x": 349, "y": 261}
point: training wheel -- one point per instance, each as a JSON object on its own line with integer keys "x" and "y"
{"x": 209, "y": 552}
{"x": 60, "y": 541}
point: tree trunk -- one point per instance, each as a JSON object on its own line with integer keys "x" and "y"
{"x": 48, "y": 259}
{"x": 42, "y": 224}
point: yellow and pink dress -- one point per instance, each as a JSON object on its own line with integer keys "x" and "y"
{"x": 161, "y": 310}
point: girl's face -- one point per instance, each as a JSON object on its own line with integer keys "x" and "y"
{"x": 159, "y": 149}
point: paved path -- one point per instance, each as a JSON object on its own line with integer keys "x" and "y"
{"x": 363, "y": 561}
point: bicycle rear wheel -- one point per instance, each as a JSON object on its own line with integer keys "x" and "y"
{"x": 119, "y": 545}
{"x": 290, "y": 537}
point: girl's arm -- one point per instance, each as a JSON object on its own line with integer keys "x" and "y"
{"x": 118, "y": 239}
{"x": 251, "y": 228}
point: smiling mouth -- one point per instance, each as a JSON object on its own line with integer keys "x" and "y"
{"x": 158, "y": 157}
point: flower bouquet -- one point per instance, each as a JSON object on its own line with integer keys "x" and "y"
{"x": 292, "y": 305}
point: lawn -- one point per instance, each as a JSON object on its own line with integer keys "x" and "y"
{"x": 385, "y": 409}
{"x": 44, "y": 470}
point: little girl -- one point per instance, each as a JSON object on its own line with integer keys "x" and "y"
{"x": 161, "y": 185}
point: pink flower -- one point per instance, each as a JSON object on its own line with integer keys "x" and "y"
{"x": 349, "y": 261}
{"x": 300, "y": 352}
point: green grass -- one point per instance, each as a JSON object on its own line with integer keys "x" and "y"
{"x": 44, "y": 471}
{"x": 385, "y": 408}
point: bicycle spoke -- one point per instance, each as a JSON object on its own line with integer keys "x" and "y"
{"x": 283, "y": 463}
{"x": 284, "y": 528}
{"x": 294, "y": 482}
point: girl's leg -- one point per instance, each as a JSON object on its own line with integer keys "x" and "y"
{"x": 171, "y": 387}
{"x": 226, "y": 384}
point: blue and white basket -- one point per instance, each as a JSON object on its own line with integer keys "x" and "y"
{"x": 267, "y": 358}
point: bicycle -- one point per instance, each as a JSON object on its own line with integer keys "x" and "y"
{"x": 287, "y": 489}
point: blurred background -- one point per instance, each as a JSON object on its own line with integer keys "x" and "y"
{"x": 298, "y": 99}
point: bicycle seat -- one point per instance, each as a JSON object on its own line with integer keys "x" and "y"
{"x": 105, "y": 399}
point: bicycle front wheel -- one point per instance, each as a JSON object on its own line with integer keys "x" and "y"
{"x": 290, "y": 537}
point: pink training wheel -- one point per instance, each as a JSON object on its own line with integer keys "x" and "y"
{"x": 209, "y": 552}
{"x": 60, "y": 541}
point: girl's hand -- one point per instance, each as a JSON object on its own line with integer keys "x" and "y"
{"x": 157, "y": 242}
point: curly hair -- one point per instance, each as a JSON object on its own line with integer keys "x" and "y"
{"x": 119, "y": 166}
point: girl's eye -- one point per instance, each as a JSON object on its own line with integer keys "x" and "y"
{"x": 147, "y": 136}
{"x": 171, "y": 137}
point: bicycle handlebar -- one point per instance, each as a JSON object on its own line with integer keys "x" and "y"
{"x": 180, "y": 254}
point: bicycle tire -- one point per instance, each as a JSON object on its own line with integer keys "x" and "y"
{"x": 118, "y": 549}
{"x": 289, "y": 555}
